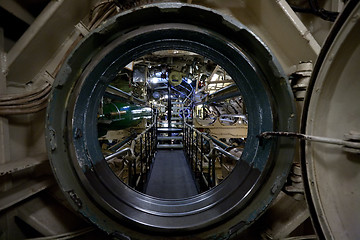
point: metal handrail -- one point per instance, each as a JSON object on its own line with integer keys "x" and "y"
{"x": 122, "y": 143}
{"x": 216, "y": 146}
{"x": 145, "y": 144}
{"x": 118, "y": 153}
{"x": 196, "y": 155}
{"x": 145, "y": 131}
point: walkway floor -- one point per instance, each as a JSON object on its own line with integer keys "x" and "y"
{"x": 171, "y": 176}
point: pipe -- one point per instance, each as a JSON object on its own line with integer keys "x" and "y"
{"x": 122, "y": 143}
{"x": 127, "y": 95}
{"x": 118, "y": 153}
{"x": 218, "y": 142}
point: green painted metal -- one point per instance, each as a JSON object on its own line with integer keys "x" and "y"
{"x": 117, "y": 115}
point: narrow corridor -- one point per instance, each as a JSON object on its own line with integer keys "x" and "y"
{"x": 170, "y": 176}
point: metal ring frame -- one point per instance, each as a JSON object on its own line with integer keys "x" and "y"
{"x": 76, "y": 157}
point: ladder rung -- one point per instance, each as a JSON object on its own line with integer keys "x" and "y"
{"x": 170, "y": 146}
{"x": 172, "y": 124}
{"x": 164, "y": 129}
{"x": 165, "y": 138}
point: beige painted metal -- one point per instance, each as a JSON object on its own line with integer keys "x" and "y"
{"x": 287, "y": 214}
{"x": 43, "y": 38}
{"x": 5, "y": 183}
{"x": 208, "y": 80}
{"x": 46, "y": 41}
{"x": 22, "y": 192}
{"x": 334, "y": 175}
{"x": 276, "y": 24}
{"x": 223, "y": 131}
{"x": 320, "y": 28}
{"x": 291, "y": 42}
{"x": 17, "y": 10}
{"x": 304, "y": 32}
{"x": 4, "y": 123}
{"x": 16, "y": 166}
{"x": 22, "y": 137}
{"x": 39, "y": 214}
{"x": 37, "y": 55}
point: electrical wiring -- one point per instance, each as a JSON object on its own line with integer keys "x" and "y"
{"x": 23, "y": 100}
{"x": 127, "y": 4}
{"x": 23, "y": 95}
{"x": 315, "y": 9}
{"x": 111, "y": 12}
{"x": 36, "y": 100}
{"x": 25, "y": 103}
{"x": 38, "y": 108}
{"x": 106, "y": 9}
{"x": 324, "y": 14}
{"x": 100, "y": 12}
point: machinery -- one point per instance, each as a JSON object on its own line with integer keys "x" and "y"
{"x": 117, "y": 116}
{"x": 258, "y": 96}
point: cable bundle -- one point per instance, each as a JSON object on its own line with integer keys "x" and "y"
{"x": 25, "y": 103}
{"x": 316, "y": 10}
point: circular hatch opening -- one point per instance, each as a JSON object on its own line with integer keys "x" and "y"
{"x": 72, "y": 134}
{"x": 135, "y": 106}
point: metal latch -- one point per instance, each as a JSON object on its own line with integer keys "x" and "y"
{"x": 350, "y": 143}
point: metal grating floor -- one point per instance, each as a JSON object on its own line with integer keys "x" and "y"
{"x": 170, "y": 176}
